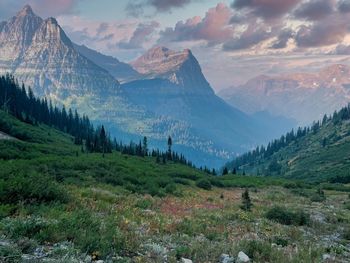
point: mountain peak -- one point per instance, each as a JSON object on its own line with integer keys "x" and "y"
{"x": 179, "y": 67}
{"x": 26, "y": 10}
{"x": 161, "y": 60}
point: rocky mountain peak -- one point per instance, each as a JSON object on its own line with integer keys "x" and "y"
{"x": 39, "y": 53}
{"x": 50, "y": 31}
{"x": 161, "y": 60}
{"x": 26, "y": 11}
{"x": 179, "y": 67}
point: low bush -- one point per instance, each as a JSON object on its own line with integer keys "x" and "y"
{"x": 259, "y": 251}
{"x": 31, "y": 187}
{"x": 204, "y": 184}
{"x": 284, "y": 216}
{"x": 319, "y": 196}
{"x": 144, "y": 204}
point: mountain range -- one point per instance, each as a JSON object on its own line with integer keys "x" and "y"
{"x": 163, "y": 93}
{"x": 304, "y": 97}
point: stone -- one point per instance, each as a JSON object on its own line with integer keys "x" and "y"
{"x": 186, "y": 260}
{"x": 328, "y": 258}
{"x": 226, "y": 259}
{"x": 242, "y": 257}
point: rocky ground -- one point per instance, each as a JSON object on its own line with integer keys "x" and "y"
{"x": 203, "y": 226}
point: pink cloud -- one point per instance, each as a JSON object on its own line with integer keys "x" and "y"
{"x": 214, "y": 27}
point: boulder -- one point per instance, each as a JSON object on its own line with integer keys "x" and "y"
{"x": 242, "y": 257}
{"x": 226, "y": 259}
{"x": 185, "y": 260}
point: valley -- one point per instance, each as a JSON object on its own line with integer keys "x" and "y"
{"x": 145, "y": 161}
{"x": 163, "y": 92}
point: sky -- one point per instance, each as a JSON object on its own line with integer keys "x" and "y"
{"x": 234, "y": 40}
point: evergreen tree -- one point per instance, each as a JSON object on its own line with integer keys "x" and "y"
{"x": 246, "y": 202}
{"x": 225, "y": 171}
{"x": 145, "y": 146}
{"x": 170, "y": 143}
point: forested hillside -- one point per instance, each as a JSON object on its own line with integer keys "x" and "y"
{"x": 317, "y": 153}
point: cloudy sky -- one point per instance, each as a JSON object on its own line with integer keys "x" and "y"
{"x": 234, "y": 40}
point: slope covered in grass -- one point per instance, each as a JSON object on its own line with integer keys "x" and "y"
{"x": 319, "y": 153}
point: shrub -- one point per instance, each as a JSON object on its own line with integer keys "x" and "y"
{"x": 6, "y": 210}
{"x": 182, "y": 181}
{"x": 144, "y": 204}
{"x": 182, "y": 252}
{"x": 170, "y": 188}
{"x": 284, "y": 216}
{"x": 204, "y": 184}
{"x": 217, "y": 182}
{"x": 319, "y": 196}
{"x": 31, "y": 187}
{"x": 259, "y": 251}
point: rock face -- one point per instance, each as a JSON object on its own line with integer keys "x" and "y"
{"x": 304, "y": 97}
{"x": 39, "y": 53}
{"x": 180, "y": 68}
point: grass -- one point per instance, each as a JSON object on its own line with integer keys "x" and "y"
{"x": 122, "y": 208}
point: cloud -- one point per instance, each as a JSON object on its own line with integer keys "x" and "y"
{"x": 266, "y": 8}
{"x": 167, "y": 5}
{"x": 314, "y": 10}
{"x": 344, "y": 6}
{"x": 140, "y": 35}
{"x": 323, "y": 33}
{"x": 282, "y": 39}
{"x": 342, "y": 50}
{"x": 214, "y": 27}
{"x": 254, "y": 35}
{"x": 137, "y": 8}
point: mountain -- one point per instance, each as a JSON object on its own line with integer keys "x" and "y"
{"x": 303, "y": 96}
{"x": 174, "y": 85}
{"x": 168, "y": 94}
{"x": 123, "y": 72}
{"x": 39, "y": 53}
{"x": 180, "y": 68}
{"x": 316, "y": 153}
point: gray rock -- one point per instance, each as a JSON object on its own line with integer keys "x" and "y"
{"x": 88, "y": 259}
{"x": 328, "y": 257}
{"x": 185, "y": 260}
{"x": 242, "y": 257}
{"x": 226, "y": 259}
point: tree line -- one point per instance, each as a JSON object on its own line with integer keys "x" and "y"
{"x": 20, "y": 102}
{"x": 262, "y": 152}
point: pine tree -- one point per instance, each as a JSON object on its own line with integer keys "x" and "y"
{"x": 246, "y": 202}
{"x": 225, "y": 171}
{"x": 170, "y": 143}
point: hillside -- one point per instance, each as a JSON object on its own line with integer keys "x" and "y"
{"x": 61, "y": 203}
{"x": 318, "y": 153}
